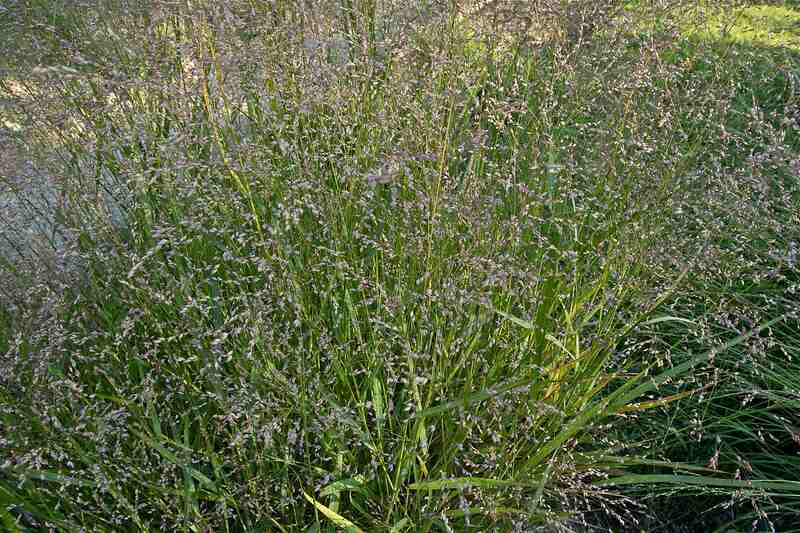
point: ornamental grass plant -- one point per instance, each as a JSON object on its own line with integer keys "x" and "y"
{"x": 398, "y": 266}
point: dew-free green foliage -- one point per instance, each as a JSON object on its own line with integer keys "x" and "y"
{"x": 759, "y": 24}
{"x": 399, "y": 266}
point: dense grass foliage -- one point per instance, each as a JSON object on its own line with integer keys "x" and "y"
{"x": 399, "y": 266}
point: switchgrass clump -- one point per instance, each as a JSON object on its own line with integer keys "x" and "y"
{"x": 390, "y": 266}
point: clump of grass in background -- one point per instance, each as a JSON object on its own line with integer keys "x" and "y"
{"x": 374, "y": 267}
{"x": 739, "y": 209}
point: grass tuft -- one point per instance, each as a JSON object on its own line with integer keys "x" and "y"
{"x": 399, "y": 266}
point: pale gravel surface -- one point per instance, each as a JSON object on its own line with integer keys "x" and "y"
{"x": 28, "y": 195}
{"x": 26, "y": 201}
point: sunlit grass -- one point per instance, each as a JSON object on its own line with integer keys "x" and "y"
{"x": 759, "y": 25}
